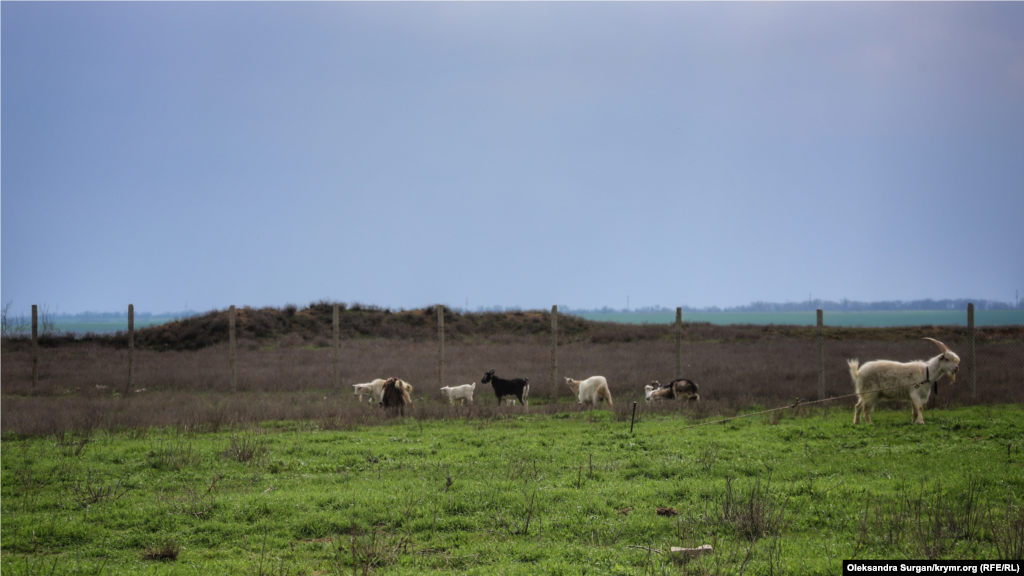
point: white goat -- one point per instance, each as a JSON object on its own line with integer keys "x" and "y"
{"x": 460, "y": 393}
{"x": 375, "y": 390}
{"x": 590, "y": 391}
{"x": 884, "y": 379}
{"x": 649, "y": 394}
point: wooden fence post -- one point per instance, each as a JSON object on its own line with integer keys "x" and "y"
{"x": 131, "y": 349}
{"x": 970, "y": 349}
{"x": 554, "y": 353}
{"x": 679, "y": 343}
{"x": 821, "y": 356}
{"x": 337, "y": 352}
{"x": 440, "y": 346}
{"x": 231, "y": 348}
{"x": 35, "y": 348}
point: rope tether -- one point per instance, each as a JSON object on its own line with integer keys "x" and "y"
{"x": 798, "y": 402}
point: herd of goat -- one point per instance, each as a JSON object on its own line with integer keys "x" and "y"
{"x": 873, "y": 381}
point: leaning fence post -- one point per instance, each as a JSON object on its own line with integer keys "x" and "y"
{"x": 554, "y": 353}
{"x": 131, "y": 349}
{"x": 35, "y": 348}
{"x": 231, "y": 348}
{"x": 821, "y": 356}
{"x": 440, "y": 346}
{"x": 970, "y": 349}
{"x": 337, "y": 353}
{"x": 679, "y": 343}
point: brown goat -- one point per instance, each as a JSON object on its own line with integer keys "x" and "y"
{"x": 395, "y": 396}
{"x": 681, "y": 388}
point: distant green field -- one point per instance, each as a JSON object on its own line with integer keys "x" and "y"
{"x": 853, "y": 319}
{"x": 865, "y": 319}
{"x": 112, "y": 326}
{"x": 101, "y": 326}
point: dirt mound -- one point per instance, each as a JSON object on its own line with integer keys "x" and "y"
{"x": 314, "y": 324}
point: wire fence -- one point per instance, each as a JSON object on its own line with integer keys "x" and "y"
{"x": 746, "y": 370}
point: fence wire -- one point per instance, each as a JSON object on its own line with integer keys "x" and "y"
{"x": 743, "y": 370}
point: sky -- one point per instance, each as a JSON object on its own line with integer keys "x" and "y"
{"x": 191, "y": 155}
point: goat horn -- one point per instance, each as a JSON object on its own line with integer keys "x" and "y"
{"x": 942, "y": 347}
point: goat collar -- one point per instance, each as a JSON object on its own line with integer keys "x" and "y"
{"x": 928, "y": 380}
{"x": 927, "y": 377}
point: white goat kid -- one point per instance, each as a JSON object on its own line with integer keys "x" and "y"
{"x": 460, "y": 393}
{"x": 649, "y": 394}
{"x": 590, "y": 391}
{"x": 884, "y": 379}
{"x": 375, "y": 390}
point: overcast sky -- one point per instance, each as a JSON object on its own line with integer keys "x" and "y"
{"x": 513, "y": 154}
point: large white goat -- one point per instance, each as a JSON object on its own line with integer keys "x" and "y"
{"x": 885, "y": 379}
{"x": 590, "y": 391}
{"x": 460, "y": 393}
{"x": 375, "y": 389}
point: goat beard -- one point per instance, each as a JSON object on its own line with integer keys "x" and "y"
{"x": 952, "y": 377}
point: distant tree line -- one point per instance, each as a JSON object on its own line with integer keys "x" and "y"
{"x": 15, "y": 325}
{"x": 843, "y": 305}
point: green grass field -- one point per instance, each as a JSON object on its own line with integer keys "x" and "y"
{"x": 568, "y": 493}
{"x": 109, "y": 326}
{"x": 849, "y": 319}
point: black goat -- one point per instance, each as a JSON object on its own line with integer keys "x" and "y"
{"x": 518, "y": 387}
{"x": 395, "y": 396}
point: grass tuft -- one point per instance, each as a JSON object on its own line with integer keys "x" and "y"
{"x": 246, "y": 447}
{"x": 172, "y": 457}
{"x": 758, "y": 513}
{"x": 164, "y": 552}
{"x": 1008, "y": 531}
{"x": 92, "y": 491}
{"x": 371, "y": 551}
{"x": 193, "y": 501}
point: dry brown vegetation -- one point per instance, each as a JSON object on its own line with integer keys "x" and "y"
{"x": 285, "y": 366}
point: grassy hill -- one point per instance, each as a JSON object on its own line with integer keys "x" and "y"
{"x": 313, "y": 324}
